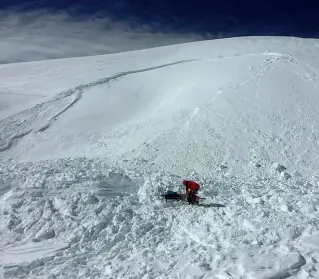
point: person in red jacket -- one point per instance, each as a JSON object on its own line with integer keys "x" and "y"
{"x": 191, "y": 190}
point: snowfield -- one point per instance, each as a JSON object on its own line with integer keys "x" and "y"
{"x": 88, "y": 144}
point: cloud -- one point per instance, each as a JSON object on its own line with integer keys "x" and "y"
{"x": 39, "y": 35}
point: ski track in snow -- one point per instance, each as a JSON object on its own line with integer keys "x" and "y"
{"x": 13, "y": 139}
{"x": 78, "y": 91}
{"x": 193, "y": 115}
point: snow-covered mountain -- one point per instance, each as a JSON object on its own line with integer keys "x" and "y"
{"x": 87, "y": 145}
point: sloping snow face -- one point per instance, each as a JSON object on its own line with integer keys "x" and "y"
{"x": 88, "y": 145}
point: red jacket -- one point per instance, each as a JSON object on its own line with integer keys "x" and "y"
{"x": 191, "y": 185}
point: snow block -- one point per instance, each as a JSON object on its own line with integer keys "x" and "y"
{"x": 44, "y": 235}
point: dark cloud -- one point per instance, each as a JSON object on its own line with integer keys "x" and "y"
{"x": 47, "y": 29}
{"x": 28, "y": 36}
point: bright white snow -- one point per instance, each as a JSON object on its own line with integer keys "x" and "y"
{"x": 88, "y": 144}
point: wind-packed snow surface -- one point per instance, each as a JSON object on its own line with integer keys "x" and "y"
{"x": 87, "y": 145}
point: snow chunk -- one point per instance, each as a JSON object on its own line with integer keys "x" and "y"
{"x": 279, "y": 168}
{"x": 273, "y": 265}
{"x": 248, "y": 225}
{"x": 257, "y": 165}
{"x": 91, "y": 199}
{"x": 44, "y": 234}
{"x": 285, "y": 175}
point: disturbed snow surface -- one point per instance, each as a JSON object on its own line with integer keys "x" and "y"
{"x": 103, "y": 222}
{"x": 88, "y": 144}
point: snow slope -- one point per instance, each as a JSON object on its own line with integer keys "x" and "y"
{"x": 87, "y": 144}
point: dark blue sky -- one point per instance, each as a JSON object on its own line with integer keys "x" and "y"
{"x": 47, "y": 29}
{"x": 226, "y": 17}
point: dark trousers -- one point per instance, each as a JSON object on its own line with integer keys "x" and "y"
{"x": 191, "y": 196}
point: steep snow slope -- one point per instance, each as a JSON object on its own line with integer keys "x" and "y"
{"x": 100, "y": 137}
{"x": 248, "y": 100}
